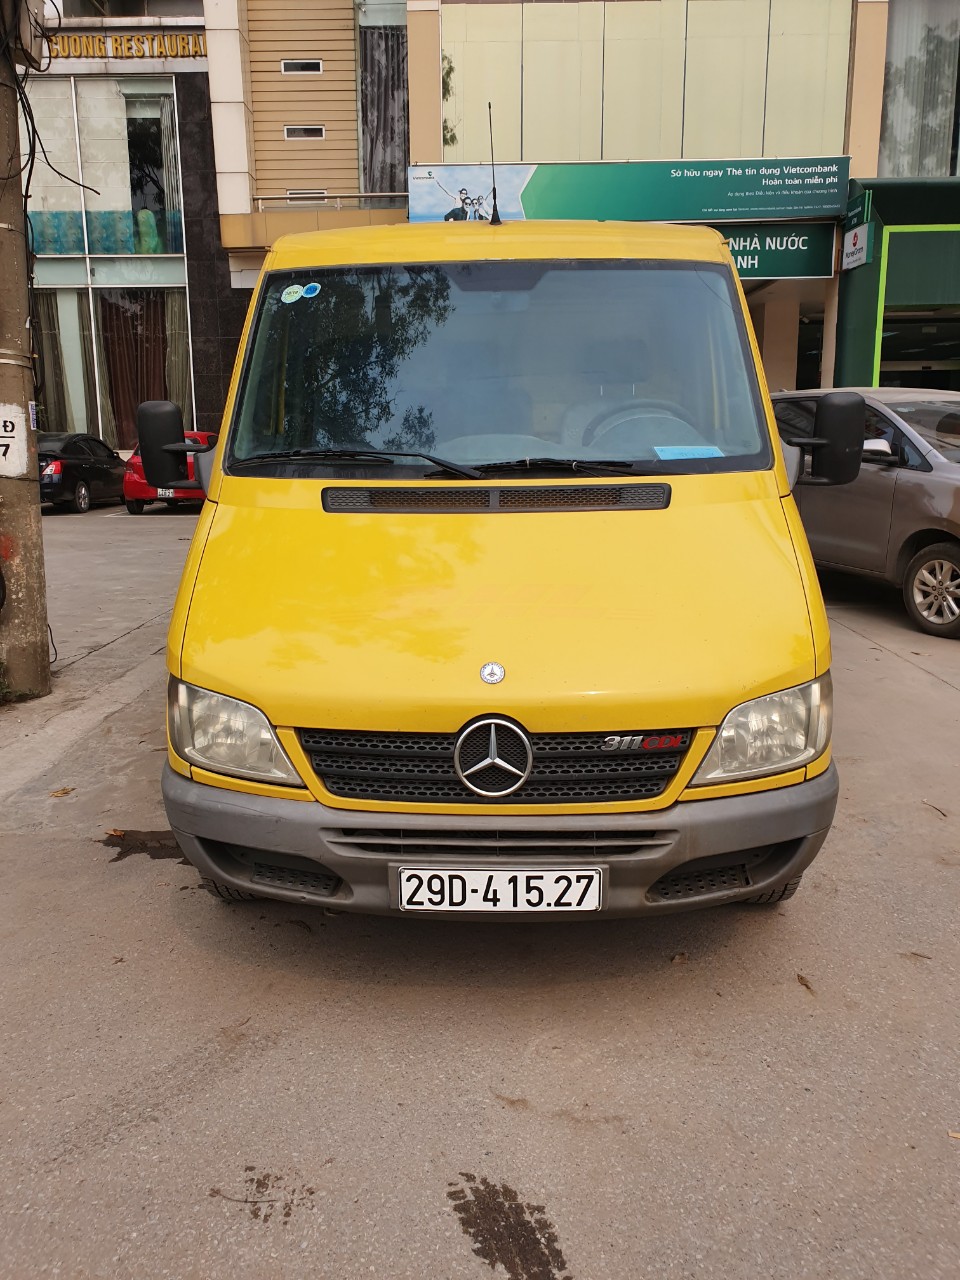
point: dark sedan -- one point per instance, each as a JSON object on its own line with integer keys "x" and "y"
{"x": 78, "y": 470}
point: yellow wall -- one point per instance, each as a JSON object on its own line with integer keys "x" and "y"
{"x": 647, "y": 79}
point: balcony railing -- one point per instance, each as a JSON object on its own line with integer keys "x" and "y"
{"x": 333, "y": 200}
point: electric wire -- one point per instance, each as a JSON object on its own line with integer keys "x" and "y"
{"x": 33, "y": 149}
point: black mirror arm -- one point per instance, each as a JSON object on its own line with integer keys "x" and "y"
{"x": 189, "y": 446}
{"x": 806, "y": 442}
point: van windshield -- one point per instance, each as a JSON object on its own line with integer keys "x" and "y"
{"x": 491, "y": 363}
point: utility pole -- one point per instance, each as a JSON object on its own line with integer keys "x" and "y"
{"x": 24, "y": 647}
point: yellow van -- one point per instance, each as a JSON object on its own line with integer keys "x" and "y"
{"x": 499, "y": 603}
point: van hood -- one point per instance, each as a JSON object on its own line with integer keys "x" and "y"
{"x": 603, "y": 620}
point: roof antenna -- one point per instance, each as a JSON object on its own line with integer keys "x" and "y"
{"x": 495, "y": 220}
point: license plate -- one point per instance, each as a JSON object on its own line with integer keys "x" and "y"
{"x": 166, "y": 493}
{"x": 486, "y": 889}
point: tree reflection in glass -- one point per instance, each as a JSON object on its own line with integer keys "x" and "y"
{"x": 353, "y": 331}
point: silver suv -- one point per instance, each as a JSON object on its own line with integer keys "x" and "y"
{"x": 900, "y": 519}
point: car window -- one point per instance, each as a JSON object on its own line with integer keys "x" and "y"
{"x": 937, "y": 421}
{"x": 877, "y": 427}
{"x": 99, "y": 449}
{"x": 75, "y": 449}
{"x": 795, "y": 417}
{"x": 912, "y": 457}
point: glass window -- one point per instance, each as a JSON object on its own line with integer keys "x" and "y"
{"x": 51, "y": 273}
{"x": 100, "y": 450}
{"x": 67, "y": 386}
{"x": 383, "y": 100}
{"x": 877, "y": 427}
{"x": 918, "y": 135}
{"x": 494, "y": 361}
{"x": 143, "y": 354}
{"x": 132, "y": 8}
{"x": 134, "y": 271}
{"x": 56, "y": 206}
{"x": 128, "y": 152}
{"x": 938, "y": 422}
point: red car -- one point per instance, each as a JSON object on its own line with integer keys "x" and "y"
{"x": 137, "y": 493}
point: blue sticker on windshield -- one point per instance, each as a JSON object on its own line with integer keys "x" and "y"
{"x": 671, "y": 452}
{"x": 311, "y": 290}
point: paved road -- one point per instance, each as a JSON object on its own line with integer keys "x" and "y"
{"x": 197, "y": 1091}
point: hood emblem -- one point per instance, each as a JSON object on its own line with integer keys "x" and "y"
{"x": 492, "y": 673}
{"x": 493, "y": 757}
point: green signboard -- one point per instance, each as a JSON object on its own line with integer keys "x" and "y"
{"x": 858, "y": 211}
{"x": 645, "y": 191}
{"x": 781, "y": 250}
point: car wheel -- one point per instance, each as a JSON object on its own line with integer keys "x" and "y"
{"x": 773, "y": 896}
{"x": 80, "y": 502}
{"x": 931, "y": 589}
{"x": 224, "y": 892}
{"x": 135, "y": 506}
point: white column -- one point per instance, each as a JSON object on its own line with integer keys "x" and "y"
{"x": 228, "y": 57}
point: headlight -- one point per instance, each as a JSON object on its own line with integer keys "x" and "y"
{"x": 772, "y": 734}
{"x": 226, "y": 736}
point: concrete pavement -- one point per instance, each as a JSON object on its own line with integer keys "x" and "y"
{"x": 200, "y": 1091}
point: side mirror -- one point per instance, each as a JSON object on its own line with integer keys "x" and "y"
{"x": 160, "y": 424}
{"x": 837, "y": 442}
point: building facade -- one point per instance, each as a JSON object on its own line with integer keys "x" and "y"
{"x": 899, "y": 320}
{"x": 187, "y": 135}
{"x": 132, "y": 297}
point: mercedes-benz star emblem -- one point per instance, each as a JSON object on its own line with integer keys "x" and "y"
{"x": 492, "y": 673}
{"x": 493, "y": 757}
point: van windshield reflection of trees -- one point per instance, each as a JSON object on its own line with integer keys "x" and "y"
{"x": 341, "y": 348}
{"x": 492, "y": 362}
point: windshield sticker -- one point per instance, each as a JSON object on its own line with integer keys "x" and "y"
{"x": 311, "y": 290}
{"x": 671, "y": 452}
{"x": 292, "y": 293}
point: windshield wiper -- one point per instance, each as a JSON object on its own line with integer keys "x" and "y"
{"x": 588, "y": 466}
{"x": 356, "y": 455}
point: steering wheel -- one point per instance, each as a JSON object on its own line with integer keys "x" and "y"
{"x": 610, "y": 418}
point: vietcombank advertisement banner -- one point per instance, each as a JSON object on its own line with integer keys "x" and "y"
{"x": 646, "y": 191}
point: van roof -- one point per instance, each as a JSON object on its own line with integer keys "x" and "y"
{"x": 472, "y": 241}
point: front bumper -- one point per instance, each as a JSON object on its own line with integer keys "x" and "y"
{"x": 698, "y": 853}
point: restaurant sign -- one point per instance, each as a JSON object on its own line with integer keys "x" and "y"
{"x": 126, "y": 45}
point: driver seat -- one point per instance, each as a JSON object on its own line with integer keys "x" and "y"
{"x": 616, "y": 373}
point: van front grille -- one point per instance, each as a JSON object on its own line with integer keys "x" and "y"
{"x": 568, "y": 768}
